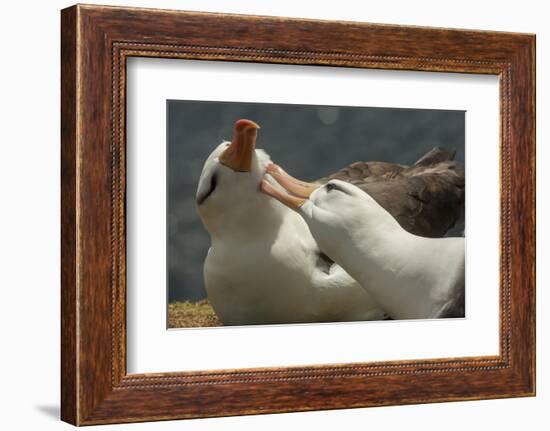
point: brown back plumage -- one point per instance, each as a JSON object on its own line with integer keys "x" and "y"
{"x": 426, "y": 198}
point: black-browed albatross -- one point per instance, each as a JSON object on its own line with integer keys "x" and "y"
{"x": 410, "y": 277}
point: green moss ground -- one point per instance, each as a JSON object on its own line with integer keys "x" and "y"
{"x": 187, "y": 314}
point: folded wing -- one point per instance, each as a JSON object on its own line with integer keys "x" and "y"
{"x": 426, "y": 198}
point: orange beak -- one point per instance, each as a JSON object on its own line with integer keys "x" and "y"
{"x": 238, "y": 155}
{"x": 299, "y": 190}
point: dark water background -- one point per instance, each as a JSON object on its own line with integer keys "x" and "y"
{"x": 309, "y": 141}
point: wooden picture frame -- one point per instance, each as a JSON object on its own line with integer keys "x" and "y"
{"x": 95, "y": 43}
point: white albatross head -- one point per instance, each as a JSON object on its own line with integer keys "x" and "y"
{"x": 228, "y": 195}
{"x": 335, "y": 212}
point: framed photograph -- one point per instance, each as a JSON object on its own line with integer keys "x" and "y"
{"x": 264, "y": 214}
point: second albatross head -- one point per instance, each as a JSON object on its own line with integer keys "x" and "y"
{"x": 333, "y": 211}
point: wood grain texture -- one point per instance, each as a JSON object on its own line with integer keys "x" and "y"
{"x": 69, "y": 397}
{"x": 96, "y": 41}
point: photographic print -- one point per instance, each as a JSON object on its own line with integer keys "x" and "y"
{"x": 285, "y": 214}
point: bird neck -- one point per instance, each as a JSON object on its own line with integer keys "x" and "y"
{"x": 376, "y": 252}
{"x": 384, "y": 242}
{"x": 256, "y": 220}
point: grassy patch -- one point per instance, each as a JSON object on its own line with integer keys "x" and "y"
{"x": 187, "y": 314}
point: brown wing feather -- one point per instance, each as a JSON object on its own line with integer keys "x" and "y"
{"x": 359, "y": 172}
{"x": 426, "y": 198}
{"x": 436, "y": 155}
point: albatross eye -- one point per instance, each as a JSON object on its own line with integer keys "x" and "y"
{"x": 205, "y": 195}
{"x": 331, "y": 186}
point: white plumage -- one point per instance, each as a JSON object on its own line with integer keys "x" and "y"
{"x": 409, "y": 276}
{"x": 263, "y": 265}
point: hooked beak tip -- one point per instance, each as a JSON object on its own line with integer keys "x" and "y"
{"x": 238, "y": 155}
{"x": 273, "y": 167}
{"x": 244, "y": 123}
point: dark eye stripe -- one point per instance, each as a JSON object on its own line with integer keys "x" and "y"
{"x": 204, "y": 196}
{"x": 332, "y": 186}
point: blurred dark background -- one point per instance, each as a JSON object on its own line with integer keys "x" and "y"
{"x": 309, "y": 141}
